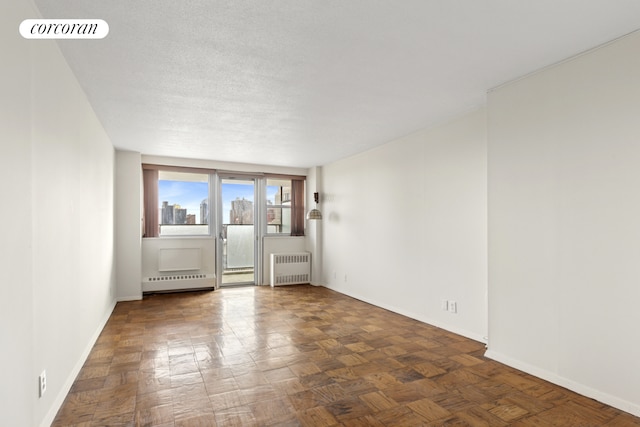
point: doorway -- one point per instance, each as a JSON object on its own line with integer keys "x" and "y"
{"x": 237, "y": 236}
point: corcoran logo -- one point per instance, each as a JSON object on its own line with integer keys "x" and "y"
{"x": 64, "y": 29}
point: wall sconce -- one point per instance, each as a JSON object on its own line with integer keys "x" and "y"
{"x": 315, "y": 213}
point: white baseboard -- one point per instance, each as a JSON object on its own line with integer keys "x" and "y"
{"x": 59, "y": 400}
{"x": 131, "y": 298}
{"x": 554, "y": 378}
{"x": 468, "y": 334}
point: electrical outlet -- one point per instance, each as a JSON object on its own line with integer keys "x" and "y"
{"x": 444, "y": 304}
{"x": 453, "y": 307}
{"x": 345, "y": 277}
{"x": 42, "y": 382}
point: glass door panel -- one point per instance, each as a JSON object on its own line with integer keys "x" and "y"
{"x": 237, "y": 231}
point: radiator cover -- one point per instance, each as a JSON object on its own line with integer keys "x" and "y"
{"x": 176, "y": 282}
{"x": 290, "y": 268}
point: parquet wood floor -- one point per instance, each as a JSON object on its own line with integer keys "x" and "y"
{"x": 302, "y": 356}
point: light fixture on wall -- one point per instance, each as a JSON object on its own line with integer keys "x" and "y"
{"x": 315, "y": 213}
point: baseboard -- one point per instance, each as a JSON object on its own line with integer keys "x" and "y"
{"x": 554, "y": 378}
{"x": 59, "y": 400}
{"x": 131, "y": 298}
{"x": 463, "y": 332}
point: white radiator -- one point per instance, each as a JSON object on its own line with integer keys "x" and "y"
{"x": 290, "y": 268}
{"x": 176, "y": 282}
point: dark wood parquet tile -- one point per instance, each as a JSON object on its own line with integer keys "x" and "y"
{"x": 302, "y": 356}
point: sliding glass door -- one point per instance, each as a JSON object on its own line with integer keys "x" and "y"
{"x": 237, "y": 231}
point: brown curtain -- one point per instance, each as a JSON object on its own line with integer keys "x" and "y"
{"x": 297, "y": 207}
{"x": 150, "y": 188}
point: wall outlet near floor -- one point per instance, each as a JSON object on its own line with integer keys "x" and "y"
{"x": 444, "y": 305}
{"x": 453, "y": 307}
{"x": 42, "y": 383}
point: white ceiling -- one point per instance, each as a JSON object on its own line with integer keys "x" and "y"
{"x": 306, "y": 82}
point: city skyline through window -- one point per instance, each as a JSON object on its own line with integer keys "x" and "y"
{"x": 183, "y": 200}
{"x": 190, "y": 195}
{"x": 187, "y": 195}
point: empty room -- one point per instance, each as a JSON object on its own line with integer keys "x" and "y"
{"x": 320, "y": 213}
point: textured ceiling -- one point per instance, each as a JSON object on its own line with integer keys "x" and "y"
{"x": 306, "y": 82}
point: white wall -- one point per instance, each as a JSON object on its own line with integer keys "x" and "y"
{"x": 313, "y": 229}
{"x": 128, "y": 225}
{"x": 404, "y": 225}
{"x": 58, "y": 234}
{"x": 221, "y": 166}
{"x": 17, "y": 388}
{"x": 564, "y": 224}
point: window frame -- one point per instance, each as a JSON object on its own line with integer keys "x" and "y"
{"x": 291, "y": 206}
{"x": 280, "y": 206}
{"x": 298, "y": 210}
{"x": 209, "y": 173}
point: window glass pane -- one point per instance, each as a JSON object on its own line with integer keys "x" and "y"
{"x": 278, "y": 191}
{"x": 184, "y": 203}
{"x": 278, "y": 220}
{"x": 278, "y": 206}
{"x": 237, "y": 201}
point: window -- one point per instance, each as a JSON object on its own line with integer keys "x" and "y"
{"x": 285, "y": 205}
{"x": 278, "y": 206}
{"x": 176, "y": 202}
